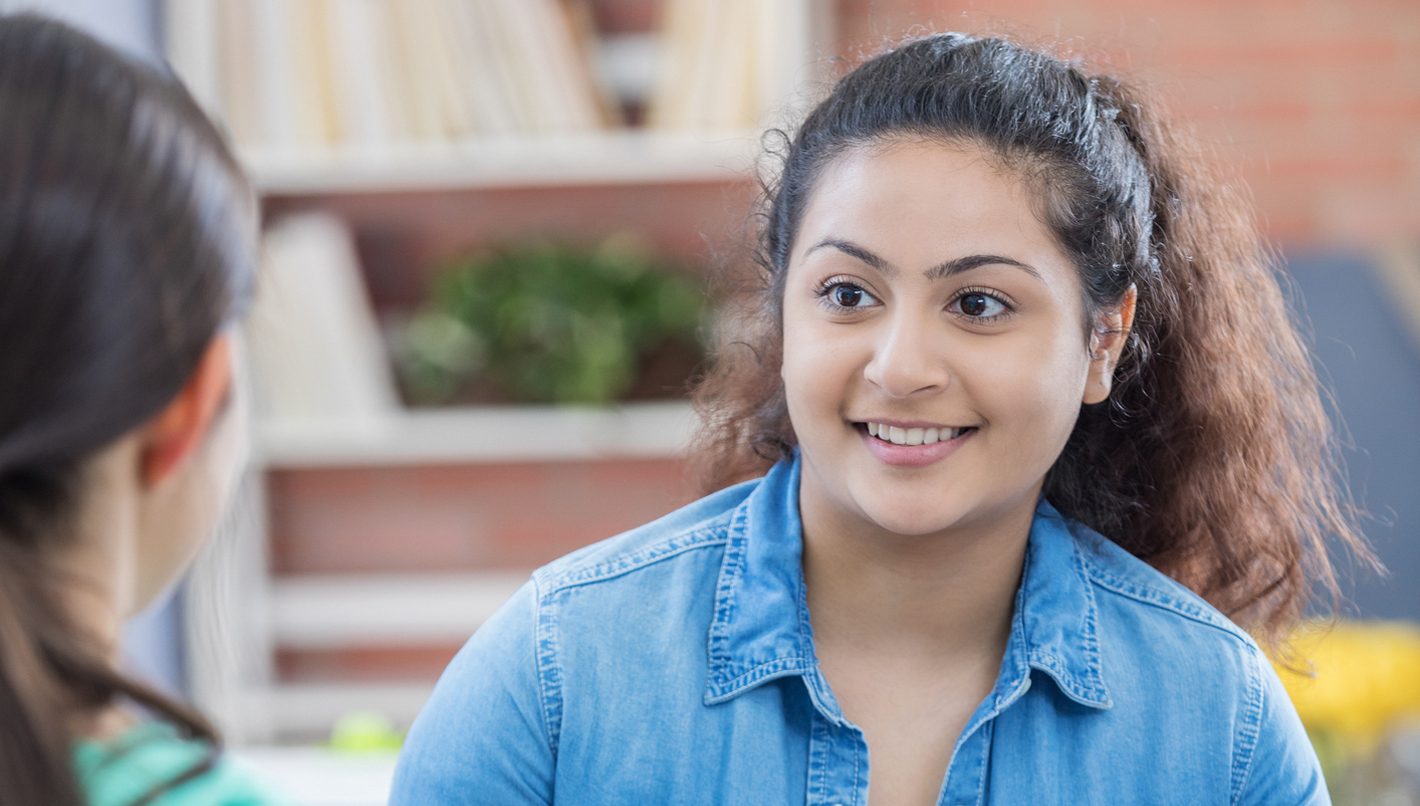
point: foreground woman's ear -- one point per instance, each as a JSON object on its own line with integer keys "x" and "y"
{"x": 178, "y": 430}
{"x": 1107, "y": 339}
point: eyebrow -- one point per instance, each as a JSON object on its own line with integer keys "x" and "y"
{"x": 944, "y": 269}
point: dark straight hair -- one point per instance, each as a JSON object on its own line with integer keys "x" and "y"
{"x": 127, "y": 241}
{"x": 1214, "y": 459}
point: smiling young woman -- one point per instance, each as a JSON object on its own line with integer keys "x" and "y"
{"x": 1035, "y": 436}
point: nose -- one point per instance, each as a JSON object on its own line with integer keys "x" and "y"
{"x": 908, "y": 359}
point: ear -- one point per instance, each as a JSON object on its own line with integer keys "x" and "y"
{"x": 1107, "y": 340}
{"x": 173, "y": 435}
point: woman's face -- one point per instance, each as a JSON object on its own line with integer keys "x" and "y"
{"x": 935, "y": 353}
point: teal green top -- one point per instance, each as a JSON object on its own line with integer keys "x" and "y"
{"x": 120, "y": 772}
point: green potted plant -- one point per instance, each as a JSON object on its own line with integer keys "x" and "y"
{"x": 543, "y": 322}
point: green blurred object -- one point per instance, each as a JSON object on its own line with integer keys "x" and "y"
{"x": 550, "y": 323}
{"x": 365, "y": 732}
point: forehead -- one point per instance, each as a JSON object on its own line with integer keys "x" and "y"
{"x": 918, "y": 202}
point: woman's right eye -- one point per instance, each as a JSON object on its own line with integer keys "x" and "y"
{"x": 846, "y": 295}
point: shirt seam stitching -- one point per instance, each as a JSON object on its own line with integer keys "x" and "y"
{"x": 982, "y": 759}
{"x": 1095, "y": 684}
{"x": 550, "y": 685}
{"x": 705, "y": 537}
{"x": 1251, "y": 728}
{"x": 761, "y": 671}
{"x": 731, "y": 566}
{"x": 1163, "y": 601}
{"x": 820, "y": 751}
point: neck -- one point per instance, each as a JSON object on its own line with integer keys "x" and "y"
{"x": 90, "y": 598}
{"x": 915, "y": 597}
{"x": 96, "y": 570}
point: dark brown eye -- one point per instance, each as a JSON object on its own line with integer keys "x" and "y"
{"x": 847, "y": 296}
{"x": 980, "y": 305}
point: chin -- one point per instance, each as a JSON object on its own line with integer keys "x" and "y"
{"x": 911, "y": 519}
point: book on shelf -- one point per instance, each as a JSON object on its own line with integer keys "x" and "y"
{"x": 729, "y": 65}
{"x": 366, "y": 75}
{"x": 317, "y": 354}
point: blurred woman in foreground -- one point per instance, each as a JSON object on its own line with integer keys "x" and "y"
{"x": 127, "y": 250}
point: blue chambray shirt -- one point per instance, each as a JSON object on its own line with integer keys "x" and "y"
{"x": 675, "y": 664}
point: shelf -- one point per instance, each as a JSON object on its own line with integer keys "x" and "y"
{"x": 615, "y": 158}
{"x": 310, "y": 709}
{"x": 323, "y": 612}
{"x": 483, "y": 434}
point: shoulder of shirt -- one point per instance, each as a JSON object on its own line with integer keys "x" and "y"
{"x": 1133, "y": 582}
{"x": 702, "y": 524}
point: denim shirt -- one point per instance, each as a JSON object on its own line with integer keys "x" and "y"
{"x": 675, "y": 664}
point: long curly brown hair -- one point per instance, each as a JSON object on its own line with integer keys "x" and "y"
{"x": 1214, "y": 460}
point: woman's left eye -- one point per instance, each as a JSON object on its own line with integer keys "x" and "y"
{"x": 844, "y": 295}
{"x": 980, "y": 305}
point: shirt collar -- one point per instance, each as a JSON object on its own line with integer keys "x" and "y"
{"x": 760, "y": 627}
{"x": 1056, "y": 623}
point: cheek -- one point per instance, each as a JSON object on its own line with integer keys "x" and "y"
{"x": 1033, "y": 384}
{"x": 817, "y": 360}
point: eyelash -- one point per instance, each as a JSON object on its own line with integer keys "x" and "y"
{"x": 1007, "y": 305}
{"x": 826, "y": 288}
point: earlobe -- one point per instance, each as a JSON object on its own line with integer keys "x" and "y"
{"x": 1107, "y": 342}
{"x": 1100, "y": 379}
{"x": 174, "y": 434}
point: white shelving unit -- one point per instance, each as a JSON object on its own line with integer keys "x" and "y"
{"x": 322, "y": 612}
{"x": 611, "y": 158}
{"x": 480, "y": 435}
{"x": 256, "y": 612}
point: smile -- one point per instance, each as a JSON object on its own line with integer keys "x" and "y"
{"x": 914, "y": 436}
{"x": 912, "y": 445}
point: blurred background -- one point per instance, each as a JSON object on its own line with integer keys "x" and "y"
{"x": 488, "y": 227}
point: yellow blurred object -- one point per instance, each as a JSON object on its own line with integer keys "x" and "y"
{"x": 365, "y": 732}
{"x": 1365, "y": 679}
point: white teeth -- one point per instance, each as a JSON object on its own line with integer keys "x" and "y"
{"x": 913, "y": 436}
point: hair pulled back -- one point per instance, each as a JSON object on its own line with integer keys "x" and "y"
{"x": 127, "y": 240}
{"x": 1214, "y": 459}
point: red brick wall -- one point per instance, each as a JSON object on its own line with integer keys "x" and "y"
{"x": 452, "y": 518}
{"x": 1315, "y": 104}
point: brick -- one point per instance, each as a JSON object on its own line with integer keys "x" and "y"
{"x": 451, "y": 518}
{"x": 1314, "y": 102}
{"x": 383, "y": 664}
{"x": 1375, "y": 53}
{"x": 397, "y": 232}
